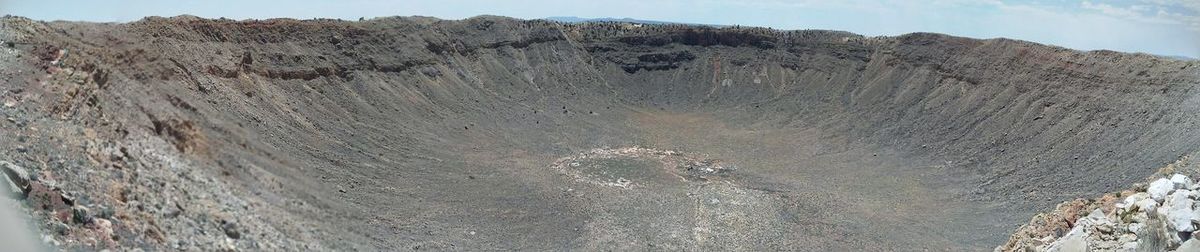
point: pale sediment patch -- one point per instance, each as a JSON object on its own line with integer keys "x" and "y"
{"x": 631, "y": 167}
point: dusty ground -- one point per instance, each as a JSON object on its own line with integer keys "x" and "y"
{"x": 423, "y": 134}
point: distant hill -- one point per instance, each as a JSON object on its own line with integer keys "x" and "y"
{"x": 611, "y": 19}
{"x": 1180, "y": 57}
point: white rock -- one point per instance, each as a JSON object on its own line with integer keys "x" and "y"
{"x": 1075, "y": 240}
{"x": 1146, "y": 205}
{"x": 1097, "y": 219}
{"x": 1191, "y": 245}
{"x": 1135, "y": 227}
{"x": 1160, "y": 188}
{"x": 1096, "y": 216}
{"x": 1130, "y": 203}
{"x": 1140, "y": 218}
{"x": 1180, "y": 181}
{"x": 1135, "y": 198}
{"x": 1129, "y": 237}
{"x": 1195, "y": 214}
{"x": 1129, "y": 246}
{"x": 1179, "y": 211}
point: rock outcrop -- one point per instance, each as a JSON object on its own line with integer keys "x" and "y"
{"x": 1160, "y": 217}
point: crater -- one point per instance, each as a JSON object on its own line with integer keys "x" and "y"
{"x": 492, "y": 133}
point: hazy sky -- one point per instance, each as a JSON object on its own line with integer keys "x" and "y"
{"x": 1166, "y": 27}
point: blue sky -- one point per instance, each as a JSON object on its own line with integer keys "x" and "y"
{"x": 1165, "y": 27}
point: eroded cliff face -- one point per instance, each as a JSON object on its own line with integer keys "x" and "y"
{"x": 496, "y": 133}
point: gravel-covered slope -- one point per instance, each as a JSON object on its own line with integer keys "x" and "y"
{"x": 497, "y": 133}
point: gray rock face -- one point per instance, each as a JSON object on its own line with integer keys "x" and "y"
{"x": 81, "y": 215}
{"x": 17, "y": 178}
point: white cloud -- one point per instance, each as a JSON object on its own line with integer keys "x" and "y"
{"x": 1151, "y": 11}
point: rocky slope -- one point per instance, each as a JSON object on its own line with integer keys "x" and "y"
{"x": 419, "y": 133}
{"x": 1157, "y": 216}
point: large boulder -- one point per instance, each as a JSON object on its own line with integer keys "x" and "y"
{"x": 1160, "y": 188}
{"x": 1178, "y": 210}
{"x": 1181, "y": 181}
